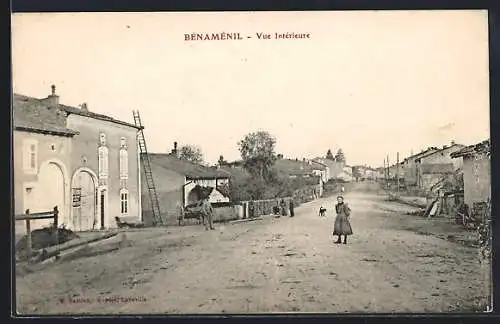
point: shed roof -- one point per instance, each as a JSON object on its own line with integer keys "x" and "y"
{"x": 437, "y": 168}
{"x": 29, "y": 114}
{"x": 189, "y": 169}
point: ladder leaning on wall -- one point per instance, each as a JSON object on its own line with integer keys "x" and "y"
{"x": 146, "y": 164}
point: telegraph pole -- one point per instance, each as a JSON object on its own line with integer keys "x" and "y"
{"x": 397, "y": 173}
{"x": 385, "y": 169}
{"x": 388, "y": 168}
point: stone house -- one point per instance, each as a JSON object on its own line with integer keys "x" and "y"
{"x": 102, "y": 168}
{"x": 41, "y": 160}
{"x": 476, "y": 172}
{"x": 180, "y": 183}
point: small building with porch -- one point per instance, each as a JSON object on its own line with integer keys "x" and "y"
{"x": 180, "y": 183}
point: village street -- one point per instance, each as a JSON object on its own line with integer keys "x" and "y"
{"x": 270, "y": 265}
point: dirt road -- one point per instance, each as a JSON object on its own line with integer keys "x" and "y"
{"x": 272, "y": 265}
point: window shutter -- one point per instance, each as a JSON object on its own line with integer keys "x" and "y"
{"x": 26, "y": 156}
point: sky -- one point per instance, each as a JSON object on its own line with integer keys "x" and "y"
{"x": 373, "y": 83}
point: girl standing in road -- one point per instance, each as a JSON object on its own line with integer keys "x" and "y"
{"x": 342, "y": 226}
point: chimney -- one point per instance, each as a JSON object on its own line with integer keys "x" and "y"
{"x": 84, "y": 107}
{"x": 53, "y": 98}
{"x": 174, "y": 151}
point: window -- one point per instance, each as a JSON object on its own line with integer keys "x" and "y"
{"x": 102, "y": 139}
{"x": 123, "y": 143}
{"x": 103, "y": 162}
{"x": 123, "y": 159}
{"x": 124, "y": 202}
{"x": 30, "y": 156}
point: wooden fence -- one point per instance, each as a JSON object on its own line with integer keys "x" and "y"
{"x": 27, "y": 216}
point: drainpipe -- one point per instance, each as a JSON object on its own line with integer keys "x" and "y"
{"x": 139, "y": 182}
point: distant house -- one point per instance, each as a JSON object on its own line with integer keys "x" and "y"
{"x": 334, "y": 168}
{"x": 410, "y": 165}
{"x": 396, "y": 169}
{"x": 346, "y": 174}
{"x": 380, "y": 173}
{"x": 363, "y": 172}
{"x": 476, "y": 171}
{"x": 371, "y": 174}
{"x": 321, "y": 170}
{"x": 180, "y": 183}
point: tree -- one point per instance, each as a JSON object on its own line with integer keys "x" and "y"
{"x": 191, "y": 153}
{"x": 221, "y": 161}
{"x": 329, "y": 155}
{"x": 257, "y": 152}
{"x": 339, "y": 157}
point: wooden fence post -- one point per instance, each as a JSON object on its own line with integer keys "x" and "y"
{"x": 28, "y": 234}
{"x": 56, "y": 225}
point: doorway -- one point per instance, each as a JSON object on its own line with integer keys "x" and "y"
{"x": 102, "y": 197}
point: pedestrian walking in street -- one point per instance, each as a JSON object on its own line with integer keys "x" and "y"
{"x": 251, "y": 209}
{"x": 342, "y": 225}
{"x": 292, "y": 206}
{"x": 283, "y": 207}
{"x": 207, "y": 211}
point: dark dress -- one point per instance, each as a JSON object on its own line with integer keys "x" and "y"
{"x": 342, "y": 226}
{"x": 292, "y": 212}
{"x": 283, "y": 208}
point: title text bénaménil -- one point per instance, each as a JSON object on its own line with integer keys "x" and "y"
{"x": 239, "y": 36}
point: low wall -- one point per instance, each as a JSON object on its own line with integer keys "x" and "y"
{"x": 227, "y": 213}
{"x": 263, "y": 207}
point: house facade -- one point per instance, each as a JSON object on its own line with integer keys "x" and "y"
{"x": 179, "y": 183}
{"x": 101, "y": 168}
{"x": 105, "y": 170}
{"x": 476, "y": 172}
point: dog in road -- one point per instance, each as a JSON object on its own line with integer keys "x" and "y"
{"x": 322, "y": 211}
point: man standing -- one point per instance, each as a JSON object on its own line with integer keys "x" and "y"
{"x": 208, "y": 214}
